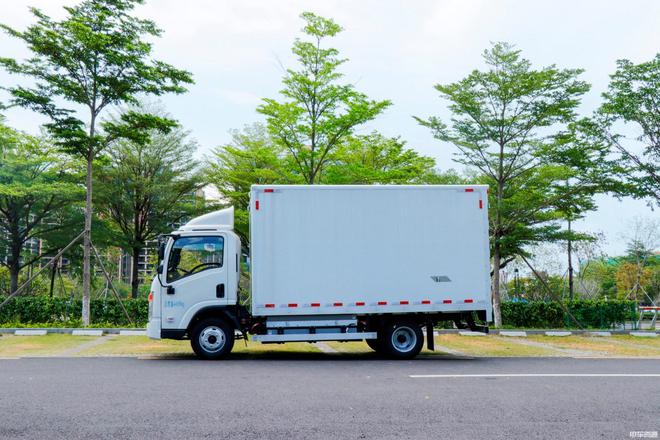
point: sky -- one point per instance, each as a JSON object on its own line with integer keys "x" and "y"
{"x": 237, "y": 52}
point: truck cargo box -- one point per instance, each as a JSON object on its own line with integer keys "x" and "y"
{"x": 326, "y": 249}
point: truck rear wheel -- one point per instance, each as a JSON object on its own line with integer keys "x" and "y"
{"x": 212, "y": 339}
{"x": 402, "y": 340}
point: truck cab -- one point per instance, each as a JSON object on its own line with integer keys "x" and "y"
{"x": 197, "y": 278}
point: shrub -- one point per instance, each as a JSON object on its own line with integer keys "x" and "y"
{"x": 589, "y": 313}
{"x": 42, "y": 309}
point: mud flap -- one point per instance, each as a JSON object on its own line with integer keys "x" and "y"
{"x": 430, "y": 340}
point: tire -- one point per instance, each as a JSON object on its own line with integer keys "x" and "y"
{"x": 402, "y": 340}
{"x": 212, "y": 339}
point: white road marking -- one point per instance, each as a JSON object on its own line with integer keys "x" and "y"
{"x": 453, "y": 376}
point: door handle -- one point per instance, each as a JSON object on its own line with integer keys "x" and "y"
{"x": 170, "y": 290}
{"x": 220, "y": 290}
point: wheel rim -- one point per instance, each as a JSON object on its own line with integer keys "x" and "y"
{"x": 404, "y": 339}
{"x": 212, "y": 339}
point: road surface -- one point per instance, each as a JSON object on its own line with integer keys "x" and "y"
{"x": 312, "y": 396}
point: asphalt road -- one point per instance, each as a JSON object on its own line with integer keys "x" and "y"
{"x": 311, "y": 396}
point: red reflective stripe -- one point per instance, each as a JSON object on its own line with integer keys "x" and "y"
{"x": 426, "y": 301}
{"x": 469, "y": 190}
{"x": 269, "y": 306}
{"x": 151, "y": 296}
{"x": 315, "y": 304}
{"x": 469, "y": 301}
{"x": 268, "y": 190}
{"x": 481, "y": 204}
{"x": 446, "y": 301}
{"x": 359, "y": 303}
{"x": 256, "y": 205}
{"x": 404, "y": 303}
{"x": 338, "y": 304}
{"x": 293, "y": 305}
{"x": 382, "y": 303}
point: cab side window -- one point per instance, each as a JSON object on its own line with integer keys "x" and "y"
{"x": 190, "y": 255}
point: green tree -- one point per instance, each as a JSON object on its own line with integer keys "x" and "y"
{"x": 503, "y": 120}
{"x": 251, "y": 158}
{"x": 35, "y": 183}
{"x": 632, "y": 99}
{"x": 590, "y": 170}
{"x": 374, "y": 158}
{"x": 318, "y": 112}
{"x": 145, "y": 188}
{"x": 97, "y": 56}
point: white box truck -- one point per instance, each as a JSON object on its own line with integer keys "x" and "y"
{"x": 329, "y": 263}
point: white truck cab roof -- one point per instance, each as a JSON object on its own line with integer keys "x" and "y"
{"x": 222, "y": 220}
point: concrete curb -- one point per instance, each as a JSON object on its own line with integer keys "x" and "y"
{"x": 468, "y": 333}
{"x": 644, "y": 334}
{"x": 513, "y": 334}
{"x": 132, "y": 333}
{"x": 87, "y": 333}
{"x": 558, "y": 333}
{"x": 68, "y": 330}
{"x": 30, "y": 332}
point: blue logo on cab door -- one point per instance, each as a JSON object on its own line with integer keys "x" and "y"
{"x": 174, "y": 304}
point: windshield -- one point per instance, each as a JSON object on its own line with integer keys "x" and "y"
{"x": 190, "y": 255}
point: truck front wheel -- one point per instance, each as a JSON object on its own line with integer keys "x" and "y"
{"x": 403, "y": 340}
{"x": 212, "y": 339}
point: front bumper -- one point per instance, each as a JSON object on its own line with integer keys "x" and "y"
{"x": 153, "y": 328}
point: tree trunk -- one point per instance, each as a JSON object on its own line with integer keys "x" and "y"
{"x": 53, "y": 270}
{"x": 14, "y": 270}
{"x": 15, "y": 258}
{"x": 135, "y": 282}
{"x": 87, "y": 242}
{"x": 570, "y": 264}
{"x": 497, "y": 313}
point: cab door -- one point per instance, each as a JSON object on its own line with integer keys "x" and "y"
{"x": 195, "y": 276}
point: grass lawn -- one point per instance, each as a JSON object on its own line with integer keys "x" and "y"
{"x": 497, "y": 346}
{"x": 141, "y": 345}
{"x": 49, "y": 345}
{"x": 349, "y": 347}
{"x": 607, "y": 346}
{"x": 490, "y": 346}
{"x": 468, "y": 345}
{"x": 136, "y": 345}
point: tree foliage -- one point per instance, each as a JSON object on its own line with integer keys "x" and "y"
{"x": 317, "y": 113}
{"x": 36, "y": 183}
{"x": 632, "y": 99}
{"x": 97, "y": 56}
{"x": 504, "y": 121}
{"x": 251, "y": 158}
{"x": 145, "y": 188}
{"x": 376, "y": 159}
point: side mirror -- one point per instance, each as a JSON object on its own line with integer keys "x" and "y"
{"x": 161, "y": 252}
{"x": 159, "y": 269}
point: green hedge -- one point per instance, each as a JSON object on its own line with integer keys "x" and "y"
{"x": 42, "y": 309}
{"x": 590, "y": 313}
{"x": 537, "y": 314}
